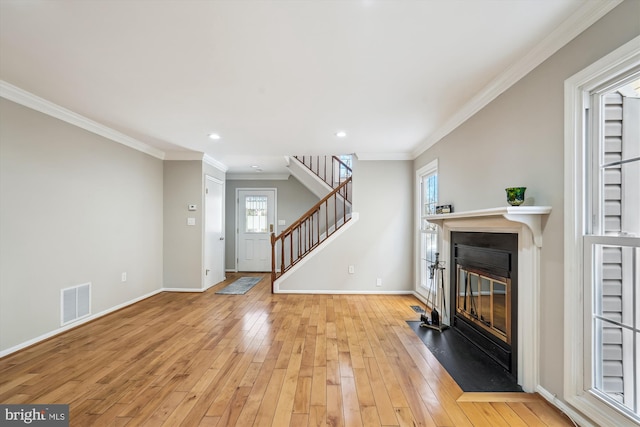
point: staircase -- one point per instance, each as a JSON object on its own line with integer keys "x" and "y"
{"x": 318, "y": 223}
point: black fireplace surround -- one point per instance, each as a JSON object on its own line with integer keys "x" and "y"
{"x": 491, "y": 255}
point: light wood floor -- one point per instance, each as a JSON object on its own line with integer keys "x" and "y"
{"x": 256, "y": 359}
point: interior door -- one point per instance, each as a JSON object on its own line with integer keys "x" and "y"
{"x": 256, "y": 219}
{"x": 214, "y": 232}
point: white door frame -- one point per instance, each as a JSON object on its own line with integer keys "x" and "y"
{"x": 237, "y": 201}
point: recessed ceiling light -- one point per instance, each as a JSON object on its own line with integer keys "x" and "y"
{"x": 341, "y": 134}
{"x": 255, "y": 166}
{"x": 214, "y": 136}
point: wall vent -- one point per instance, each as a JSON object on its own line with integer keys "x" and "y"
{"x": 75, "y": 303}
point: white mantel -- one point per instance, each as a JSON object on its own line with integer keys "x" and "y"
{"x": 528, "y": 223}
{"x": 531, "y": 216}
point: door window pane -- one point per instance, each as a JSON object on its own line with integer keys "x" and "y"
{"x": 256, "y": 211}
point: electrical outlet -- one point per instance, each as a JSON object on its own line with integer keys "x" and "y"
{"x": 124, "y": 277}
{"x": 378, "y": 282}
{"x": 352, "y": 269}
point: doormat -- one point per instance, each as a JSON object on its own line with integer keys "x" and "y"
{"x": 240, "y": 286}
{"x": 470, "y": 368}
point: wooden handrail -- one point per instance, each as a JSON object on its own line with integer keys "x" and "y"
{"x": 340, "y": 162}
{"x": 314, "y": 208}
{"x": 310, "y": 224}
{"x": 308, "y": 162}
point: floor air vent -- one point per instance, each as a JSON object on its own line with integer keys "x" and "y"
{"x": 417, "y": 308}
{"x": 75, "y": 303}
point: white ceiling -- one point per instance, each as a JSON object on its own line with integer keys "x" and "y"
{"x": 277, "y": 78}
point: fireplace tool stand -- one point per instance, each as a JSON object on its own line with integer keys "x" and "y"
{"x": 436, "y": 277}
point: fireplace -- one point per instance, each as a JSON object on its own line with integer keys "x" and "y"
{"x": 484, "y": 293}
{"x": 527, "y": 223}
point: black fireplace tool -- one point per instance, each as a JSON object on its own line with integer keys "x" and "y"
{"x": 436, "y": 276}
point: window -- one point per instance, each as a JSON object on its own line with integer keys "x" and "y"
{"x": 343, "y": 172}
{"x": 427, "y": 187}
{"x": 256, "y": 209}
{"x": 602, "y": 223}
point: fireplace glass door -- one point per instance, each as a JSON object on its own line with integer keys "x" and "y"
{"x": 484, "y": 300}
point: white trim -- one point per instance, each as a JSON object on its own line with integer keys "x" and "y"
{"x": 586, "y": 16}
{"x": 214, "y": 179}
{"x": 430, "y": 167}
{"x": 355, "y": 216}
{"x": 70, "y": 326}
{"x": 419, "y": 296}
{"x": 29, "y": 100}
{"x": 196, "y": 155}
{"x": 341, "y": 292}
{"x": 184, "y": 289}
{"x": 384, "y": 156}
{"x": 591, "y": 78}
{"x": 257, "y": 176}
{"x": 215, "y": 163}
{"x": 531, "y": 216}
{"x": 567, "y": 410}
{"x": 183, "y": 155}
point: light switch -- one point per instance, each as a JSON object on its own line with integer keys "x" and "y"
{"x": 193, "y": 207}
{"x": 282, "y": 222}
{"x": 191, "y": 221}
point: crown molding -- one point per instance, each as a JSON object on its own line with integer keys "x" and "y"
{"x": 582, "y": 19}
{"x": 384, "y": 156}
{"x": 215, "y": 163}
{"x": 257, "y": 176}
{"x": 184, "y": 155}
{"x": 29, "y": 100}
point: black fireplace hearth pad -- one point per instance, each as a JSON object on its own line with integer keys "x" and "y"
{"x": 471, "y": 369}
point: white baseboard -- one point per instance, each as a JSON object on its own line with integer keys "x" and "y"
{"x": 183, "y": 290}
{"x": 340, "y": 292}
{"x": 421, "y": 297}
{"x": 69, "y": 326}
{"x": 562, "y": 406}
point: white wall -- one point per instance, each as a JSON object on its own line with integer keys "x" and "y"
{"x": 75, "y": 208}
{"x": 517, "y": 140}
{"x": 378, "y": 245}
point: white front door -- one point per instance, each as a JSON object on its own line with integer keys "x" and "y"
{"x": 214, "y": 232}
{"x": 256, "y": 219}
